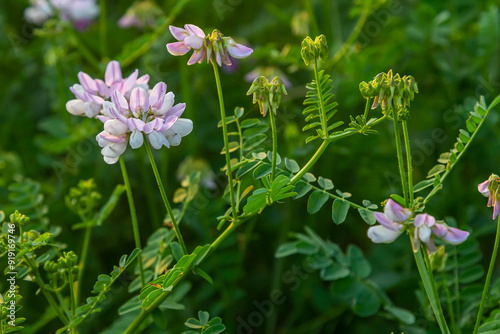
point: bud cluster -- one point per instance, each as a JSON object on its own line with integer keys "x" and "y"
{"x": 391, "y": 91}
{"x": 267, "y": 93}
{"x": 311, "y": 50}
{"x": 83, "y": 198}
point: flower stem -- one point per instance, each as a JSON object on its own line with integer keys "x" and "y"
{"x": 133, "y": 216}
{"x": 226, "y": 143}
{"x": 450, "y": 302}
{"x": 165, "y": 199}
{"x": 367, "y": 109}
{"x": 430, "y": 289}
{"x": 399, "y": 152}
{"x": 275, "y": 143}
{"x": 408, "y": 161}
{"x": 83, "y": 261}
{"x": 488, "y": 279}
{"x": 311, "y": 162}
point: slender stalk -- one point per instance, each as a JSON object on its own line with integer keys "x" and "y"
{"x": 311, "y": 162}
{"x": 430, "y": 290}
{"x": 275, "y": 143}
{"x": 72, "y": 291}
{"x": 456, "y": 290}
{"x": 82, "y": 263}
{"x": 399, "y": 152}
{"x": 367, "y": 108}
{"x": 226, "y": 143}
{"x": 133, "y": 216}
{"x": 165, "y": 198}
{"x": 488, "y": 279}
{"x": 63, "y": 304}
{"x": 408, "y": 161}
{"x": 450, "y": 302}
{"x": 103, "y": 28}
{"x": 240, "y": 149}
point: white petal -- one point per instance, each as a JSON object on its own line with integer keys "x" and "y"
{"x": 91, "y": 109}
{"x": 114, "y": 150}
{"x": 424, "y": 233}
{"x": 157, "y": 140}
{"x": 110, "y": 161}
{"x": 174, "y": 139}
{"x": 136, "y": 139}
{"x": 168, "y": 102}
{"x": 115, "y": 127}
{"x": 380, "y": 234}
{"x": 75, "y": 107}
{"x": 182, "y": 126}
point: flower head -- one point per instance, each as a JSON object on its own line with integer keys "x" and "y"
{"x": 80, "y": 13}
{"x": 92, "y": 93}
{"x": 489, "y": 188}
{"x": 204, "y": 46}
{"x": 267, "y": 94}
{"x": 422, "y": 228}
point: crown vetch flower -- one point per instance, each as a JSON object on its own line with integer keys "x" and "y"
{"x": 489, "y": 188}
{"x": 153, "y": 115}
{"x": 80, "y": 13}
{"x": 423, "y": 228}
{"x": 92, "y": 93}
{"x": 204, "y": 46}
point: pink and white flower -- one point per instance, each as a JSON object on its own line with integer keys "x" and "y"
{"x": 489, "y": 188}
{"x": 193, "y": 38}
{"x": 80, "y": 13}
{"x": 390, "y": 221}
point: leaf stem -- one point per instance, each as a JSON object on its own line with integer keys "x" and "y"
{"x": 165, "y": 198}
{"x": 226, "y": 143}
{"x": 449, "y": 301}
{"x": 133, "y": 216}
{"x": 82, "y": 263}
{"x": 408, "y": 162}
{"x": 488, "y": 279}
{"x": 399, "y": 152}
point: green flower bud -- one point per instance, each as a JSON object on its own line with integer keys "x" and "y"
{"x": 307, "y": 50}
{"x": 267, "y": 93}
{"x": 19, "y": 219}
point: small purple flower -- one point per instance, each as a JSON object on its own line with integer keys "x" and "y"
{"x": 489, "y": 188}
{"x": 80, "y": 13}
{"x": 390, "y": 222}
{"x": 423, "y": 228}
{"x": 193, "y": 38}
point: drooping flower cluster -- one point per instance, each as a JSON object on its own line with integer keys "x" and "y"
{"x": 91, "y": 93}
{"x": 422, "y": 228}
{"x": 489, "y": 188}
{"x": 204, "y": 46}
{"x": 311, "y": 50}
{"x": 141, "y": 14}
{"x": 129, "y": 111}
{"x": 390, "y": 90}
{"x": 80, "y": 13}
{"x": 267, "y": 93}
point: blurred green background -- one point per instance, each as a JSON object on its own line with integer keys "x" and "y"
{"x": 450, "y": 47}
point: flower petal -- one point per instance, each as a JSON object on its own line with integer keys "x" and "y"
{"x": 120, "y": 102}
{"x": 157, "y": 140}
{"x": 177, "y": 48}
{"x": 136, "y": 139}
{"x": 424, "y": 233}
{"x": 176, "y": 110}
{"x": 456, "y": 236}
{"x": 111, "y": 161}
{"x": 439, "y": 230}
{"x": 139, "y": 101}
{"x": 78, "y": 91}
{"x": 182, "y": 126}
{"x": 75, "y": 107}
{"x": 115, "y": 127}
{"x": 135, "y": 124}
{"x": 87, "y": 82}
{"x": 113, "y": 73}
{"x": 178, "y": 33}
{"x": 155, "y": 124}
{"x": 129, "y": 83}
{"x": 396, "y": 212}
{"x": 157, "y": 95}
{"x": 168, "y": 102}
{"x": 424, "y": 219}
{"x": 383, "y": 220}
{"x": 194, "y": 42}
{"x": 114, "y": 150}
{"x": 236, "y": 50}
{"x": 483, "y": 188}
{"x": 381, "y": 234}
{"x": 91, "y": 109}
{"x": 194, "y": 30}
{"x": 196, "y": 57}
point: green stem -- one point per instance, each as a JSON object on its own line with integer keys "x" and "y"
{"x": 103, "y": 28}
{"x": 449, "y": 302}
{"x": 63, "y": 304}
{"x": 226, "y": 143}
{"x": 275, "y": 143}
{"x": 408, "y": 161}
{"x": 488, "y": 279}
{"x": 399, "y": 152}
{"x": 133, "y": 216}
{"x": 240, "y": 149}
{"x": 430, "y": 289}
{"x": 311, "y": 162}
{"x": 72, "y": 291}
{"x": 83, "y": 261}
{"x": 324, "y": 125}
{"x": 367, "y": 108}
{"x": 165, "y": 198}
{"x": 456, "y": 290}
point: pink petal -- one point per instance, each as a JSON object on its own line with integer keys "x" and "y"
{"x": 483, "y": 188}
{"x": 157, "y": 95}
{"x": 456, "y": 236}
{"x": 439, "y": 230}
{"x": 87, "y": 82}
{"x": 101, "y": 87}
{"x": 111, "y": 138}
{"x": 177, "y": 48}
{"x": 496, "y": 209}
{"x": 143, "y": 80}
{"x": 135, "y": 124}
{"x": 383, "y": 220}
{"x": 236, "y": 50}
{"x": 129, "y": 83}
{"x": 424, "y": 219}
{"x": 120, "y": 101}
{"x": 78, "y": 91}
{"x": 139, "y": 101}
{"x": 155, "y": 124}
{"x": 193, "y": 42}
{"x": 194, "y": 30}
{"x": 103, "y": 118}
{"x": 176, "y": 110}
{"x": 178, "y": 33}
{"x": 196, "y": 57}
{"x": 113, "y": 73}
{"x": 396, "y": 212}
{"x": 381, "y": 234}
{"x": 168, "y": 123}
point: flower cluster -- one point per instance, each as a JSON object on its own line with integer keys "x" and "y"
{"x": 422, "y": 228}
{"x": 311, "y": 50}
{"x": 489, "y": 188}
{"x": 80, "y": 13}
{"x": 92, "y": 93}
{"x": 141, "y": 14}
{"x": 267, "y": 93}
{"x": 390, "y": 90}
{"x": 129, "y": 111}
{"x": 204, "y": 46}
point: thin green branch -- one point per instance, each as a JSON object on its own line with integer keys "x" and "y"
{"x": 82, "y": 263}
{"x": 408, "y": 162}
{"x": 399, "y": 152}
